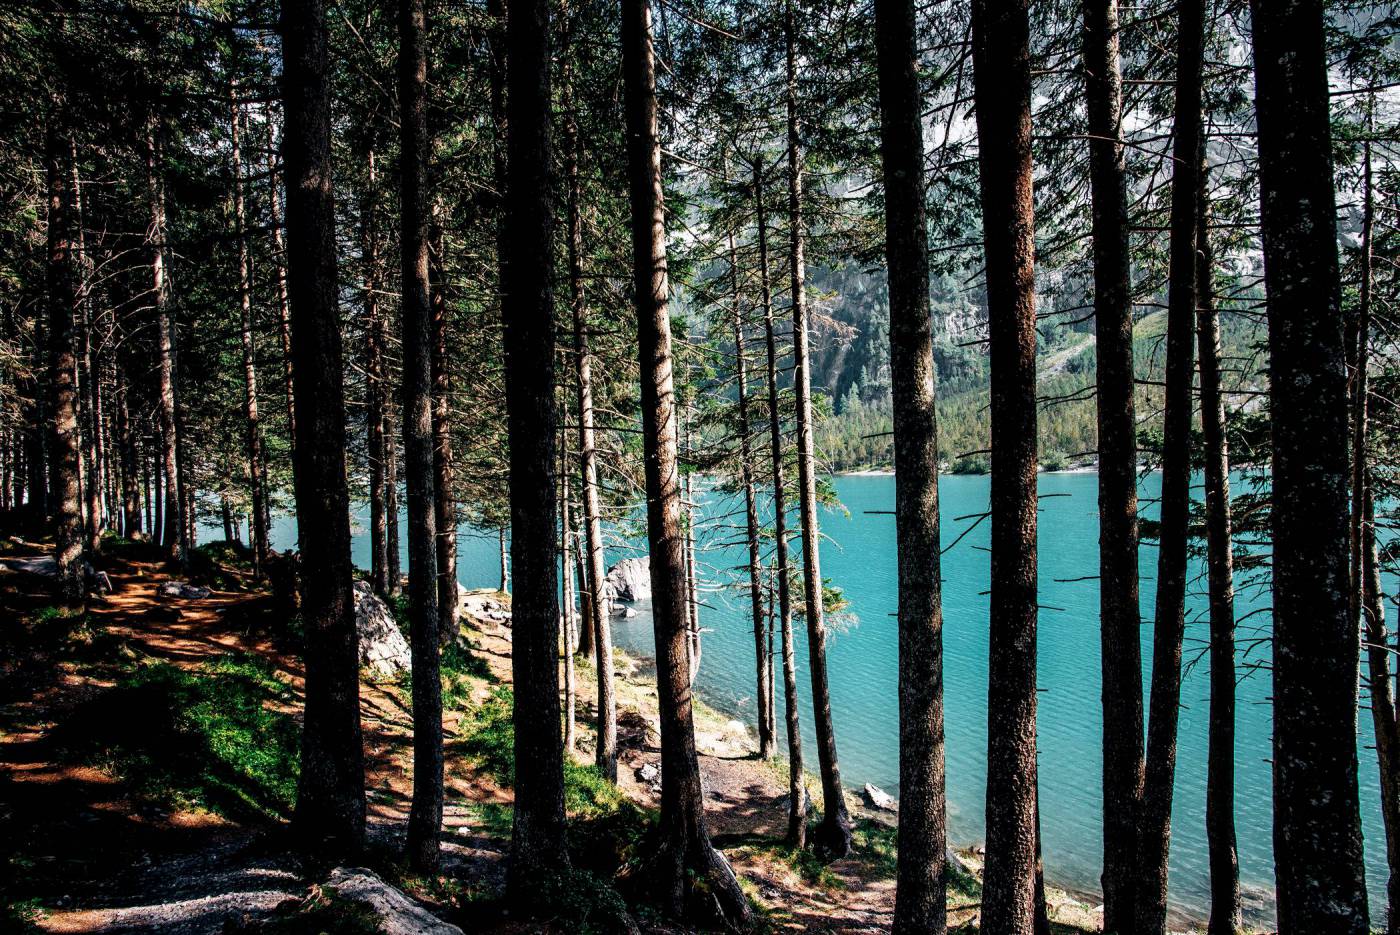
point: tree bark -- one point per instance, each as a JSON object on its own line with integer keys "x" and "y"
{"x": 764, "y": 685}
{"x": 1120, "y": 618}
{"x": 1366, "y": 583}
{"x": 130, "y": 459}
{"x": 1002, "y": 88}
{"x": 284, "y": 315}
{"x": 445, "y": 503}
{"x": 595, "y": 628}
{"x": 63, "y": 385}
{"x": 566, "y": 620}
{"x": 693, "y": 881}
{"x": 391, "y": 489}
{"x": 537, "y": 841}
{"x": 257, "y": 466}
{"x": 1317, "y": 828}
{"x": 89, "y": 413}
{"x": 833, "y": 834}
{"x": 376, "y": 384}
{"x": 172, "y": 533}
{"x": 330, "y": 810}
{"x": 1154, "y": 822}
{"x": 1226, "y": 912}
{"x": 797, "y": 790}
{"x": 921, "y": 888}
{"x": 425, "y": 814}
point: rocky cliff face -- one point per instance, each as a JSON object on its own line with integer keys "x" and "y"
{"x": 628, "y": 581}
{"x": 384, "y": 652}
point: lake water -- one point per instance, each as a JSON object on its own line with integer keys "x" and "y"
{"x": 860, "y": 559}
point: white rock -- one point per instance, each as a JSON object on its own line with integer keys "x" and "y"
{"x": 878, "y": 798}
{"x": 183, "y": 590}
{"x": 395, "y": 912}
{"x": 629, "y": 580}
{"x": 383, "y": 649}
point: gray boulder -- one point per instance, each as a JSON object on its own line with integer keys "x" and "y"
{"x": 384, "y": 652}
{"x": 629, "y": 580}
{"x": 183, "y": 590}
{"x": 395, "y": 912}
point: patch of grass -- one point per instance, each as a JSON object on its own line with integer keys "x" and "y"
{"x": 490, "y": 735}
{"x": 494, "y": 818}
{"x": 875, "y": 843}
{"x": 607, "y": 831}
{"x": 460, "y": 658}
{"x": 805, "y": 863}
{"x": 206, "y": 738}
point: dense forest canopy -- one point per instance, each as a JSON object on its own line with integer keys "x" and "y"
{"x": 551, "y": 270}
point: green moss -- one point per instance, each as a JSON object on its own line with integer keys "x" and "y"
{"x": 207, "y": 738}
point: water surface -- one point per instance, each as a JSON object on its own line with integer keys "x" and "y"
{"x": 859, "y": 558}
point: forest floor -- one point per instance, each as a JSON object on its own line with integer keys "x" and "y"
{"x": 148, "y": 752}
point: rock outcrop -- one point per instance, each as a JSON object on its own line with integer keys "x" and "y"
{"x": 628, "y": 581}
{"x": 482, "y": 607}
{"x": 395, "y": 913}
{"x": 384, "y": 651}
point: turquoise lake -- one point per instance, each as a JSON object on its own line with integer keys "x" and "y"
{"x": 859, "y": 558}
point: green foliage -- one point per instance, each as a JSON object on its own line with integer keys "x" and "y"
{"x": 213, "y": 738}
{"x": 581, "y": 901}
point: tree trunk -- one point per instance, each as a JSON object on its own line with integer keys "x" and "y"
{"x": 391, "y": 488}
{"x": 376, "y": 385}
{"x": 693, "y": 880}
{"x": 284, "y": 315}
{"x": 764, "y": 686}
{"x": 595, "y": 628}
{"x": 692, "y": 581}
{"x": 89, "y": 422}
{"x": 1226, "y": 915}
{"x": 444, "y": 502}
{"x": 257, "y": 466}
{"x": 1002, "y": 88}
{"x": 505, "y": 563}
{"x": 130, "y": 457}
{"x": 797, "y": 791}
{"x": 172, "y": 533}
{"x": 1317, "y": 828}
{"x": 921, "y": 890}
{"x": 833, "y": 835}
{"x": 330, "y": 811}
{"x": 1366, "y": 583}
{"x": 425, "y": 814}
{"x": 1154, "y": 821}
{"x": 1120, "y": 618}
{"x": 537, "y": 841}
{"x": 63, "y": 388}
{"x": 566, "y": 620}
